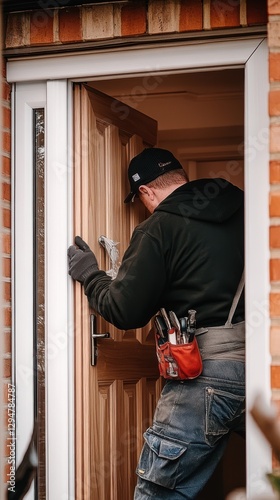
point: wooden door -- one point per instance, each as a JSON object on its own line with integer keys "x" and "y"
{"x": 115, "y": 399}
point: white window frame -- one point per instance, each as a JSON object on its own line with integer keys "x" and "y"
{"x": 52, "y": 96}
{"x": 57, "y": 73}
{"x": 24, "y": 101}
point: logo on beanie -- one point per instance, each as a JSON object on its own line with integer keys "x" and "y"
{"x": 136, "y": 177}
{"x": 164, "y": 164}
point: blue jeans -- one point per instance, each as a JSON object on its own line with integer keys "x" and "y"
{"x": 190, "y": 431}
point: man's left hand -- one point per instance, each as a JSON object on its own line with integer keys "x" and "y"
{"x": 82, "y": 261}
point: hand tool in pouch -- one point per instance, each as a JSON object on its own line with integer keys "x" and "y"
{"x": 184, "y": 329}
{"x": 169, "y": 335}
{"x": 170, "y": 330}
{"x": 191, "y": 324}
{"x": 176, "y": 323}
{"x": 161, "y": 328}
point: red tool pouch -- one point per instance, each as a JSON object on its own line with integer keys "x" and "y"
{"x": 179, "y": 362}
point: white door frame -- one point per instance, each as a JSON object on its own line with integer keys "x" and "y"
{"x": 53, "y": 75}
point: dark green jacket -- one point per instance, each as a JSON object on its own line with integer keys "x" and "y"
{"x": 189, "y": 254}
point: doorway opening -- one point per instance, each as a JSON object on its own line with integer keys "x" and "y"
{"x": 200, "y": 118}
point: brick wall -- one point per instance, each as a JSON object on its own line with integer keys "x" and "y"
{"x": 5, "y": 213}
{"x": 274, "y": 113}
{"x": 66, "y": 25}
{"x": 95, "y": 22}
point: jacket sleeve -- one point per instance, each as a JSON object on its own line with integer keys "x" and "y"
{"x": 133, "y": 297}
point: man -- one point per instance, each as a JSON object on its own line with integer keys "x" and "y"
{"x": 189, "y": 254}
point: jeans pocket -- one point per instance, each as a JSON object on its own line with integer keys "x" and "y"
{"x": 221, "y": 409}
{"x": 159, "y": 461}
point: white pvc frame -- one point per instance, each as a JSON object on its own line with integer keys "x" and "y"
{"x": 52, "y": 96}
{"x": 251, "y": 54}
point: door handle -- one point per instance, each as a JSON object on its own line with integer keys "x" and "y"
{"x": 94, "y": 337}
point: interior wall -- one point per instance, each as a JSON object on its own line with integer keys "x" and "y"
{"x": 231, "y": 170}
{"x": 200, "y": 117}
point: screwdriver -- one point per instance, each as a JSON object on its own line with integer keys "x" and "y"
{"x": 191, "y": 324}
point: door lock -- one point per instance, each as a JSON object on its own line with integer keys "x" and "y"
{"x": 94, "y": 337}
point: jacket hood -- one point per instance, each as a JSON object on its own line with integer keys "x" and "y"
{"x": 211, "y": 200}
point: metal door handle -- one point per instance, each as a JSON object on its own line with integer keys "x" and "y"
{"x": 94, "y": 337}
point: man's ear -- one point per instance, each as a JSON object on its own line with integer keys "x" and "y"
{"x": 144, "y": 189}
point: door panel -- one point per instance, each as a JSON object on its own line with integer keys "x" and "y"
{"x": 115, "y": 399}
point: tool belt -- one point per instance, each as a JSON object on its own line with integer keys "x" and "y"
{"x": 176, "y": 346}
{"x": 226, "y": 341}
{"x": 222, "y": 342}
{"x": 181, "y": 348}
{"x": 179, "y": 362}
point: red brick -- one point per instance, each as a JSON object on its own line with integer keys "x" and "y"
{"x": 275, "y": 377}
{"x": 6, "y": 191}
{"x": 6, "y": 92}
{"x": 256, "y": 12}
{"x": 6, "y": 291}
{"x": 7, "y": 316}
{"x": 18, "y": 29}
{"x": 5, "y": 393}
{"x": 7, "y": 343}
{"x": 6, "y": 418}
{"x": 6, "y": 144}
{"x": 6, "y": 165}
{"x": 274, "y": 167}
{"x": 273, "y": 29}
{"x": 6, "y": 267}
{"x": 4, "y": 68}
{"x": 6, "y": 117}
{"x": 274, "y": 102}
{"x": 191, "y": 15}
{"x": 41, "y": 27}
{"x": 274, "y": 204}
{"x": 6, "y": 217}
{"x": 275, "y": 462}
{"x": 274, "y": 304}
{"x": 274, "y": 269}
{"x": 7, "y": 368}
{"x": 275, "y": 340}
{"x": 274, "y": 66}
{"x": 275, "y": 138}
{"x": 224, "y": 13}
{"x": 273, "y": 6}
{"x": 6, "y": 243}
{"x": 133, "y": 19}
{"x": 70, "y": 29}
{"x": 274, "y": 236}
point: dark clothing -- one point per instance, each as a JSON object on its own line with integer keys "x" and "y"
{"x": 189, "y": 254}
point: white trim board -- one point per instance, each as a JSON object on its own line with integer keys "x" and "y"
{"x": 250, "y": 54}
{"x": 59, "y": 337}
{"x": 256, "y": 170}
{"x": 133, "y": 61}
{"x": 59, "y": 334}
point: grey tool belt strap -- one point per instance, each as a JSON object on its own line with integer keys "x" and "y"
{"x": 226, "y": 341}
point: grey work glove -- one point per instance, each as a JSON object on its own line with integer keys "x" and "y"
{"x": 82, "y": 261}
